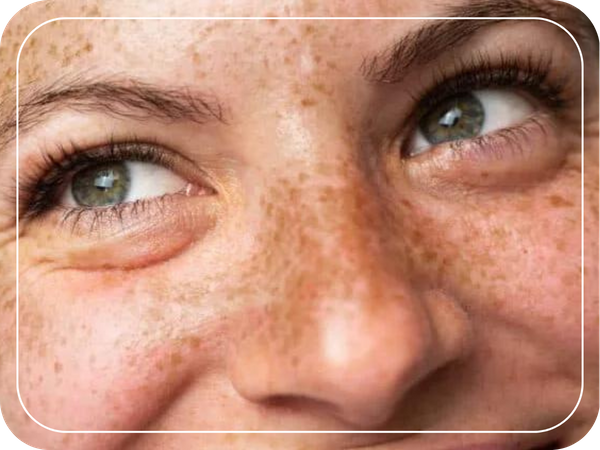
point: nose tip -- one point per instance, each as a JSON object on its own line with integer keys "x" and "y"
{"x": 356, "y": 361}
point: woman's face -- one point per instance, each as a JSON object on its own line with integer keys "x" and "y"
{"x": 298, "y": 225}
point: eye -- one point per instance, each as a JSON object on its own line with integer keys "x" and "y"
{"x": 467, "y": 116}
{"x": 114, "y": 183}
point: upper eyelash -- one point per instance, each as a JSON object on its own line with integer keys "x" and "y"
{"x": 532, "y": 74}
{"x": 37, "y": 194}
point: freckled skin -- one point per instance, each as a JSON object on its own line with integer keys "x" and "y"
{"x": 329, "y": 288}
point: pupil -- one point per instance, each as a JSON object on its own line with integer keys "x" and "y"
{"x": 101, "y": 185}
{"x": 458, "y": 117}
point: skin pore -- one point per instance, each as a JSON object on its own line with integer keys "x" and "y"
{"x": 310, "y": 275}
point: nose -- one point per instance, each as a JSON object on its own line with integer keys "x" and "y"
{"x": 342, "y": 326}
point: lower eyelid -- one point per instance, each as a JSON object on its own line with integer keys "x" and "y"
{"x": 512, "y": 156}
{"x": 129, "y": 236}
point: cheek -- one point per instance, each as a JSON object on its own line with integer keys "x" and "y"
{"x": 513, "y": 263}
{"x": 100, "y": 351}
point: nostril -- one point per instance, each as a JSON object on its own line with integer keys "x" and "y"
{"x": 300, "y": 404}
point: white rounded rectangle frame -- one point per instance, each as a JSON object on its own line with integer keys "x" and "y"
{"x": 303, "y": 431}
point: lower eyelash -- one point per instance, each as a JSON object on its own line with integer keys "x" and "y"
{"x": 503, "y": 143}
{"x": 89, "y": 219}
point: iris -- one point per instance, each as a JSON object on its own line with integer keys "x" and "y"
{"x": 101, "y": 185}
{"x": 457, "y": 117}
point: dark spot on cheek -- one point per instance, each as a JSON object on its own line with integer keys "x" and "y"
{"x": 309, "y": 30}
{"x": 559, "y": 202}
{"x": 307, "y": 102}
{"x": 58, "y": 367}
{"x": 175, "y": 359}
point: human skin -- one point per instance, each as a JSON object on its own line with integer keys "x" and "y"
{"x": 313, "y": 279}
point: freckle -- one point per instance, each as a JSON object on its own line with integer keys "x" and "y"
{"x": 66, "y": 60}
{"x": 176, "y": 359}
{"x": 194, "y": 342}
{"x": 58, "y": 367}
{"x": 322, "y": 88}
{"x": 559, "y": 202}
{"x": 95, "y": 11}
{"x": 309, "y": 29}
{"x": 429, "y": 256}
{"x": 196, "y": 58}
{"x": 88, "y": 47}
{"x": 406, "y": 203}
{"x": 331, "y": 65}
{"x": 307, "y": 102}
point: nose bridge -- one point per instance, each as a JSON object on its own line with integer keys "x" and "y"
{"x": 335, "y": 268}
{"x": 333, "y": 225}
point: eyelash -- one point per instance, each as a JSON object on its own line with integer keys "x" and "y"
{"x": 38, "y": 194}
{"x": 531, "y": 75}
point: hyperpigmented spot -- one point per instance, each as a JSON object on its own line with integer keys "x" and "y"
{"x": 309, "y": 29}
{"x": 88, "y": 47}
{"x": 559, "y": 202}
{"x": 175, "y": 359}
{"x": 307, "y": 102}
{"x": 322, "y": 88}
{"x": 194, "y": 342}
{"x": 58, "y": 367}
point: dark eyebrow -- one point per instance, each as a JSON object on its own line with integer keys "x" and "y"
{"x": 428, "y": 42}
{"x": 123, "y": 98}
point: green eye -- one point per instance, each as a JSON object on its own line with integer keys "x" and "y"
{"x": 457, "y": 117}
{"x": 101, "y": 185}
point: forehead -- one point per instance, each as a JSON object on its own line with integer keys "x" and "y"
{"x": 66, "y": 42}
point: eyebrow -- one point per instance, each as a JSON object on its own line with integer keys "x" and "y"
{"x": 428, "y": 42}
{"x": 121, "y": 98}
